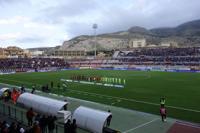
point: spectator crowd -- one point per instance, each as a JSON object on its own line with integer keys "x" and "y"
{"x": 161, "y": 56}
{"x": 41, "y": 124}
{"x": 141, "y": 56}
{"x": 25, "y": 64}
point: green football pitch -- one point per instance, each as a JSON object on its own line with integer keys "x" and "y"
{"x": 142, "y": 90}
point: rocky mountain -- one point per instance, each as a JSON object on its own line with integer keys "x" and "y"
{"x": 187, "y": 34}
{"x": 185, "y": 30}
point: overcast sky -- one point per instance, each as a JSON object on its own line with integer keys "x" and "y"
{"x": 38, "y": 23}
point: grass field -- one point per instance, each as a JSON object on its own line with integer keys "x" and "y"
{"x": 142, "y": 90}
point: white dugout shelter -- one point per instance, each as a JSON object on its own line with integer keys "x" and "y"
{"x": 90, "y": 119}
{"x": 41, "y": 104}
{"x": 3, "y": 90}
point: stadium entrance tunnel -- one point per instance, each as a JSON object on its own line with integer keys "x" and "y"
{"x": 43, "y": 105}
{"x": 92, "y": 120}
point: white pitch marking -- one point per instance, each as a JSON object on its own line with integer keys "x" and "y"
{"x": 139, "y": 126}
{"x": 132, "y": 100}
{"x": 138, "y": 101}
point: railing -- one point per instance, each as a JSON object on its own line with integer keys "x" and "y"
{"x": 19, "y": 114}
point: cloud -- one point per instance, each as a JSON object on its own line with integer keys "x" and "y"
{"x": 150, "y": 14}
{"x": 26, "y": 22}
{"x": 78, "y": 16}
{"x": 8, "y": 2}
{"x": 144, "y": 13}
{"x": 78, "y": 28}
{"x": 67, "y": 9}
{"x": 53, "y": 21}
{"x": 31, "y": 24}
{"x": 31, "y": 39}
{"x": 9, "y": 36}
{"x": 13, "y": 20}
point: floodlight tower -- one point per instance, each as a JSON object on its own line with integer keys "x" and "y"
{"x": 95, "y": 26}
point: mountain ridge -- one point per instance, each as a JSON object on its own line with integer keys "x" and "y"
{"x": 186, "y": 34}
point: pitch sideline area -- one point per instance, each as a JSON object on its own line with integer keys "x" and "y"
{"x": 140, "y": 93}
{"x": 124, "y": 120}
{"x": 116, "y": 98}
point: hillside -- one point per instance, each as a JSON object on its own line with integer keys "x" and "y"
{"x": 187, "y": 34}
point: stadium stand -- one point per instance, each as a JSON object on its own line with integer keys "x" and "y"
{"x": 160, "y": 56}
{"x": 145, "y": 56}
{"x": 128, "y": 59}
{"x": 9, "y": 65}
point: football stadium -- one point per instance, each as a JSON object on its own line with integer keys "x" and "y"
{"x": 131, "y": 92}
{"x": 113, "y": 80}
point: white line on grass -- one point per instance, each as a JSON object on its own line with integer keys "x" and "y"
{"x": 118, "y": 101}
{"x": 133, "y": 100}
{"x": 139, "y": 126}
{"x": 105, "y": 106}
{"x": 126, "y": 99}
{"x": 179, "y": 122}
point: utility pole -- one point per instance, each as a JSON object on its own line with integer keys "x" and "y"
{"x": 95, "y": 26}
